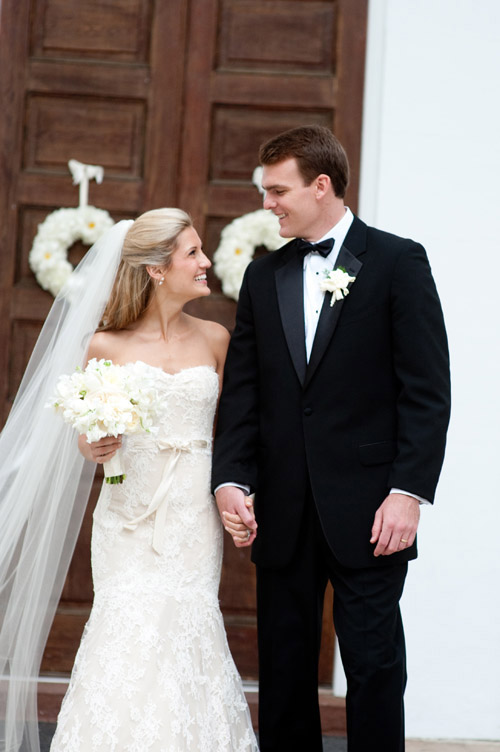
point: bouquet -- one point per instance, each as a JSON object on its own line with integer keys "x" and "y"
{"x": 108, "y": 400}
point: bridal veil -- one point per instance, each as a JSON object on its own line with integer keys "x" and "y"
{"x": 44, "y": 488}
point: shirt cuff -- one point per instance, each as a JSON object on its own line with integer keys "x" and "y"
{"x": 407, "y": 493}
{"x": 246, "y": 489}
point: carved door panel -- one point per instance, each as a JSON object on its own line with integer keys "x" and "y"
{"x": 172, "y": 98}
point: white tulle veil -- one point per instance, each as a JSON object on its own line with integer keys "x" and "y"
{"x": 44, "y": 488}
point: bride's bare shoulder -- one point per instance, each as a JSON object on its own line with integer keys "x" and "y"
{"x": 216, "y": 339}
{"x": 104, "y": 345}
{"x": 216, "y": 334}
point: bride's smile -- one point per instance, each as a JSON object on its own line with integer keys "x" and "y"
{"x": 186, "y": 275}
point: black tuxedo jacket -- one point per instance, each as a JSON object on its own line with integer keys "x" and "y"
{"x": 369, "y": 412}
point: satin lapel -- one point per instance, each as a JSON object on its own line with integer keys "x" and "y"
{"x": 290, "y": 290}
{"x": 330, "y": 315}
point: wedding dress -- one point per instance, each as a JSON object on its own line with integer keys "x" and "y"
{"x": 153, "y": 672}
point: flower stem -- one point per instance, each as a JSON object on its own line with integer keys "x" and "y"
{"x": 115, "y": 479}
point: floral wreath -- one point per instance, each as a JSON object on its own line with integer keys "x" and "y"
{"x": 238, "y": 242}
{"x": 48, "y": 257}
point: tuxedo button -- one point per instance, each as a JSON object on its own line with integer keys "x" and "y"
{"x": 308, "y": 411}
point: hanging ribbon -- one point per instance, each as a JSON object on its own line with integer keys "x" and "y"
{"x": 159, "y": 503}
{"x": 82, "y": 174}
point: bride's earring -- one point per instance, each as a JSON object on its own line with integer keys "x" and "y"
{"x": 162, "y": 280}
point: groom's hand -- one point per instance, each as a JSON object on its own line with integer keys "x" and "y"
{"x": 233, "y": 501}
{"x": 395, "y": 524}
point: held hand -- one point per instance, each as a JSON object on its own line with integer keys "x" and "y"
{"x": 395, "y": 524}
{"x": 242, "y": 535}
{"x": 99, "y": 451}
{"x": 236, "y": 511}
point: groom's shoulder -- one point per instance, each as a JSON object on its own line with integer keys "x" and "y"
{"x": 385, "y": 251}
{"x": 387, "y": 240}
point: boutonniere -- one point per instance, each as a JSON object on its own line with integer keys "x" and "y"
{"x": 337, "y": 282}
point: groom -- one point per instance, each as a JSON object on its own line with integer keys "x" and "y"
{"x": 334, "y": 411}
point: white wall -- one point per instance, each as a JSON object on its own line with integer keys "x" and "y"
{"x": 430, "y": 171}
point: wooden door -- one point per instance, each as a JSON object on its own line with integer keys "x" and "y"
{"x": 172, "y": 98}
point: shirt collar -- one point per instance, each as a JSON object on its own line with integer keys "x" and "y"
{"x": 339, "y": 231}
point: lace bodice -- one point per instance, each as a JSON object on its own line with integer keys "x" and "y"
{"x": 188, "y": 400}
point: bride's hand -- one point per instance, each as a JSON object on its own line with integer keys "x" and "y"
{"x": 99, "y": 451}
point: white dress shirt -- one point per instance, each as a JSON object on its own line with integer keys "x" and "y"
{"x": 315, "y": 267}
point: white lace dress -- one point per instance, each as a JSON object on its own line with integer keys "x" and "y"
{"x": 153, "y": 672}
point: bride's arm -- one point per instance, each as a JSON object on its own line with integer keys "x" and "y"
{"x": 219, "y": 340}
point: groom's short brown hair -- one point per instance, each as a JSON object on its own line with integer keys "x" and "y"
{"x": 316, "y": 151}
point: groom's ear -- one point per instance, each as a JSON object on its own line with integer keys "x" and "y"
{"x": 323, "y": 185}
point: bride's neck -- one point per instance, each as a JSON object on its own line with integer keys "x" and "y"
{"x": 165, "y": 320}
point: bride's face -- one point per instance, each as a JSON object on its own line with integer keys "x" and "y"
{"x": 187, "y": 274}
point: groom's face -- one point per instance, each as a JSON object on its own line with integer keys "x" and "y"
{"x": 291, "y": 200}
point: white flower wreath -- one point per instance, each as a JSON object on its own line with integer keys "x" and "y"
{"x": 238, "y": 242}
{"x": 49, "y": 255}
{"x": 240, "y": 238}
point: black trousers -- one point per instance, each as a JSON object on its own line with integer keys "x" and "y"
{"x": 371, "y": 640}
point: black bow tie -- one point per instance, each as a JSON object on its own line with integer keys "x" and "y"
{"x": 323, "y": 248}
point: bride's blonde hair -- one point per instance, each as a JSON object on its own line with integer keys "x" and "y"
{"x": 150, "y": 241}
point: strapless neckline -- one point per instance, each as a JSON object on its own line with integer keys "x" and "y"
{"x": 211, "y": 369}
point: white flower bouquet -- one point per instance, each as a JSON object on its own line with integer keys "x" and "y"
{"x": 108, "y": 400}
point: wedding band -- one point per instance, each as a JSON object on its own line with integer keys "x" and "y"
{"x": 404, "y": 540}
{"x": 248, "y": 534}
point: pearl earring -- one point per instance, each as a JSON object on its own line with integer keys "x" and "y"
{"x": 162, "y": 280}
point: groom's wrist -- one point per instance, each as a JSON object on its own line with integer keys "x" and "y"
{"x": 420, "y": 499}
{"x": 244, "y": 488}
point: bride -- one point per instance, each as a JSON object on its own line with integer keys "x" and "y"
{"x": 153, "y": 671}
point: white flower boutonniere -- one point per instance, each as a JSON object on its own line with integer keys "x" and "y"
{"x": 337, "y": 282}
